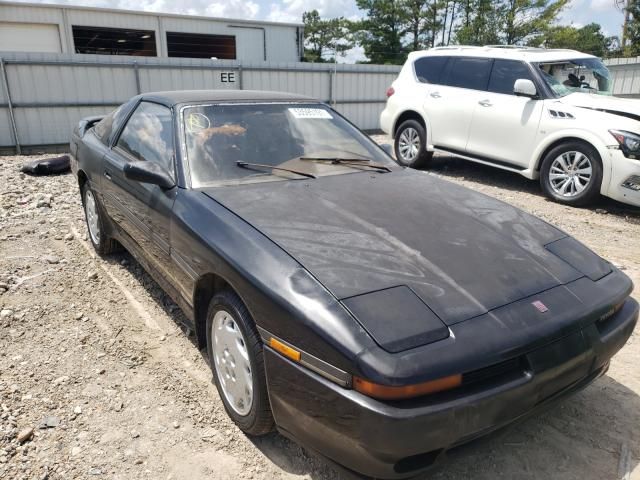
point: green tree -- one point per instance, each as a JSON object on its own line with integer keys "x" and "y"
{"x": 506, "y": 22}
{"x": 587, "y": 39}
{"x": 526, "y": 18}
{"x": 422, "y": 22}
{"x": 382, "y": 32}
{"x": 323, "y": 39}
{"x": 480, "y": 26}
{"x": 632, "y": 40}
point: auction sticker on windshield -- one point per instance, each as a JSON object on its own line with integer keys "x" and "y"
{"x": 310, "y": 113}
{"x": 197, "y": 122}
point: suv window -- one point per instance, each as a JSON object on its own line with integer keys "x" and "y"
{"x": 472, "y": 73}
{"x": 148, "y": 135}
{"x": 429, "y": 69}
{"x": 505, "y": 73}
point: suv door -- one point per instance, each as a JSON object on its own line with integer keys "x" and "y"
{"x": 504, "y": 125}
{"x": 449, "y": 106}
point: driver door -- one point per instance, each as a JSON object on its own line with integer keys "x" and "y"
{"x": 146, "y": 208}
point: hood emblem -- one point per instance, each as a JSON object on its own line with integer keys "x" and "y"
{"x": 541, "y": 307}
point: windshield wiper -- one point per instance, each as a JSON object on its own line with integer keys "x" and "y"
{"x": 356, "y": 162}
{"x": 271, "y": 167}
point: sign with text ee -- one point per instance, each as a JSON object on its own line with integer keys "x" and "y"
{"x": 228, "y": 77}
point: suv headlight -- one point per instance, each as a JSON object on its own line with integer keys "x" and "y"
{"x": 629, "y": 142}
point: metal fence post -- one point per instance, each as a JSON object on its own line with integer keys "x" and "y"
{"x": 137, "y": 73}
{"x": 12, "y": 119}
{"x": 240, "y": 86}
{"x": 330, "y": 72}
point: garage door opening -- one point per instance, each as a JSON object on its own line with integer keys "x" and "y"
{"x": 195, "y": 45}
{"x": 114, "y": 41}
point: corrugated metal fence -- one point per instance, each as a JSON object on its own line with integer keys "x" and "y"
{"x": 43, "y": 95}
{"x": 626, "y": 76}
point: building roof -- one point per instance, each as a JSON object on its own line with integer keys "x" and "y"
{"x": 172, "y": 98}
{"x": 150, "y": 13}
{"x": 528, "y": 54}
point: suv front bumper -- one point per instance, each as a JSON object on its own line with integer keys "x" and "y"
{"x": 624, "y": 184}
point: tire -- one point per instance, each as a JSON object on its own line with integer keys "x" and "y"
{"x": 95, "y": 218}
{"x": 410, "y": 145}
{"x": 235, "y": 329}
{"x": 561, "y": 172}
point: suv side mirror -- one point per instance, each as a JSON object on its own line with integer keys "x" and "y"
{"x": 148, "y": 172}
{"x": 524, "y": 87}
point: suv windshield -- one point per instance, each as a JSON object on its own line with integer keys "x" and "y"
{"x": 587, "y": 75}
{"x": 298, "y": 137}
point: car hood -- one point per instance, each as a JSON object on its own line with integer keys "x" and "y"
{"x": 626, "y": 107}
{"x": 378, "y": 241}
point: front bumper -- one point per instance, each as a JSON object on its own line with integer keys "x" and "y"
{"x": 622, "y": 181}
{"x": 400, "y": 439}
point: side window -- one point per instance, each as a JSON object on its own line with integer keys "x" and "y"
{"x": 472, "y": 73}
{"x": 505, "y": 73}
{"x": 429, "y": 69}
{"x": 103, "y": 127}
{"x": 148, "y": 135}
{"x": 119, "y": 116}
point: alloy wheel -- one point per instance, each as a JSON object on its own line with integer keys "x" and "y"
{"x": 570, "y": 173}
{"x": 409, "y": 144}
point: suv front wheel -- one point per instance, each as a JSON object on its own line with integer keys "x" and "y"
{"x": 411, "y": 145}
{"x": 571, "y": 173}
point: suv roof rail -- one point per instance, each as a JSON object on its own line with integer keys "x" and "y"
{"x": 456, "y": 47}
{"x": 515, "y": 47}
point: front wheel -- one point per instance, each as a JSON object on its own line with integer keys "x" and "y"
{"x": 411, "y": 145}
{"x": 571, "y": 173}
{"x": 236, "y": 359}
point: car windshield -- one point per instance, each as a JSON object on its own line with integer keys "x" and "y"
{"x": 587, "y": 75}
{"x": 297, "y": 137}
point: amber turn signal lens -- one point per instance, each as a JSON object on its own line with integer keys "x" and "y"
{"x": 285, "y": 350}
{"x": 386, "y": 392}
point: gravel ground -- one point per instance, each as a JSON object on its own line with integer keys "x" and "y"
{"x": 98, "y": 379}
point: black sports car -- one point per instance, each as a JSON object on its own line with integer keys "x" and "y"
{"x": 376, "y": 314}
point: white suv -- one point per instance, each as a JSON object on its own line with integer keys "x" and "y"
{"x": 545, "y": 114}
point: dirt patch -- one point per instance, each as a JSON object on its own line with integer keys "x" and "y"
{"x": 99, "y": 380}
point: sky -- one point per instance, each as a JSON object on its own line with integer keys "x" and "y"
{"x": 578, "y": 13}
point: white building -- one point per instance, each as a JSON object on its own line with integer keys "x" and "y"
{"x": 28, "y": 27}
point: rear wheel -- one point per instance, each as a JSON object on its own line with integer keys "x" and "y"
{"x": 411, "y": 145}
{"x": 95, "y": 217}
{"x": 236, "y": 359}
{"x": 571, "y": 173}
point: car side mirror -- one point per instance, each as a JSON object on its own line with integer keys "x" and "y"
{"x": 387, "y": 148}
{"x": 523, "y": 87}
{"x": 148, "y": 172}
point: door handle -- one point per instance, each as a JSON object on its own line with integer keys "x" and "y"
{"x": 107, "y": 175}
{"x": 485, "y": 103}
{"x": 435, "y": 95}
